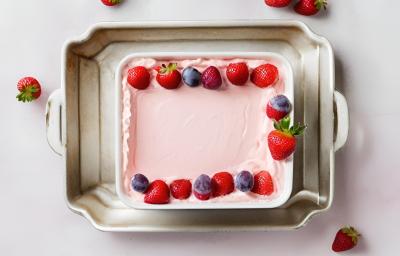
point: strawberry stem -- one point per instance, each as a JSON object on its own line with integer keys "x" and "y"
{"x": 284, "y": 126}
{"x": 26, "y": 95}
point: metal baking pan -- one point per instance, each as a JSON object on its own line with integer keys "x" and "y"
{"x": 80, "y": 119}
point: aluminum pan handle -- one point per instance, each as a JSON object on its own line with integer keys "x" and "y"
{"x": 54, "y": 119}
{"x": 342, "y": 120}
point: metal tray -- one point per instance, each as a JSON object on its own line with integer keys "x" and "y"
{"x": 81, "y": 114}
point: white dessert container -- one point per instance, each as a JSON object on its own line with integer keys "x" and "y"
{"x": 80, "y": 120}
{"x": 262, "y": 202}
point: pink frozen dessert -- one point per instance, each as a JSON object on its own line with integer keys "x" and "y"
{"x": 201, "y": 116}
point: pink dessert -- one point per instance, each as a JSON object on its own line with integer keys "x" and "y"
{"x": 185, "y": 132}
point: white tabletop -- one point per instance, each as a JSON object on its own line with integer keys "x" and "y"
{"x": 35, "y": 219}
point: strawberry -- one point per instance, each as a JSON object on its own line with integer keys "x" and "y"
{"x": 111, "y": 2}
{"x": 277, "y": 3}
{"x": 157, "y": 193}
{"x": 168, "y": 76}
{"x": 29, "y": 89}
{"x": 265, "y": 75}
{"x": 181, "y": 189}
{"x": 222, "y": 184}
{"x": 282, "y": 141}
{"x": 138, "y": 77}
{"x": 310, "y": 7}
{"x": 237, "y": 73}
{"x": 345, "y": 239}
{"x": 263, "y": 184}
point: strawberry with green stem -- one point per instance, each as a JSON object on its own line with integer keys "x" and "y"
{"x": 29, "y": 89}
{"x": 310, "y": 7}
{"x": 282, "y": 141}
{"x": 111, "y": 2}
{"x": 346, "y": 238}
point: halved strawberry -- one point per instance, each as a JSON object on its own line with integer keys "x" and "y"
{"x": 138, "y": 77}
{"x": 157, "y": 193}
{"x": 263, "y": 184}
{"x": 282, "y": 141}
{"x": 29, "y": 88}
{"x": 222, "y": 184}
{"x": 237, "y": 73}
{"x": 181, "y": 189}
{"x": 264, "y": 75}
{"x": 168, "y": 76}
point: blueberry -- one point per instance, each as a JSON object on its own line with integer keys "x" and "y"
{"x": 139, "y": 183}
{"x": 280, "y": 103}
{"x": 191, "y": 76}
{"x": 202, "y": 185}
{"x": 244, "y": 181}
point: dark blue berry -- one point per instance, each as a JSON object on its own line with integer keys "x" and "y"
{"x": 191, "y": 76}
{"x": 280, "y": 103}
{"x": 244, "y": 181}
{"x": 202, "y": 185}
{"x": 139, "y": 183}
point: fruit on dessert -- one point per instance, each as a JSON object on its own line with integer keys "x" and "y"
{"x": 29, "y": 89}
{"x": 278, "y": 107}
{"x": 111, "y": 2}
{"x": 237, "y": 73}
{"x": 181, "y": 189}
{"x": 168, "y": 76}
{"x": 282, "y": 141}
{"x": 244, "y": 181}
{"x": 264, "y": 75}
{"x": 277, "y": 3}
{"x": 202, "y": 187}
{"x": 138, "y": 77}
{"x": 191, "y": 76}
{"x": 222, "y": 184}
{"x": 211, "y": 78}
{"x": 263, "y": 184}
{"x": 139, "y": 183}
{"x": 310, "y": 7}
{"x": 345, "y": 239}
{"x": 157, "y": 193}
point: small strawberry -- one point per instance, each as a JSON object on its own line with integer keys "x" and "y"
{"x": 310, "y": 7}
{"x": 202, "y": 187}
{"x": 111, "y": 2}
{"x": 282, "y": 141}
{"x": 29, "y": 89}
{"x": 278, "y": 3}
{"x": 157, "y": 193}
{"x": 237, "y": 73}
{"x": 263, "y": 184}
{"x": 211, "y": 78}
{"x": 222, "y": 184}
{"x": 278, "y": 107}
{"x": 139, "y": 77}
{"x": 345, "y": 239}
{"x": 181, "y": 189}
{"x": 168, "y": 76}
{"x": 265, "y": 75}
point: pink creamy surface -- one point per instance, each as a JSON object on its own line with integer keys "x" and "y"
{"x": 182, "y": 133}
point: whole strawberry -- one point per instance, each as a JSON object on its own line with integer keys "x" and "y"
{"x": 138, "y": 77}
{"x": 181, "y": 189}
{"x": 264, "y": 75}
{"x": 263, "y": 184}
{"x": 278, "y": 3}
{"x": 310, "y": 7}
{"x": 282, "y": 141}
{"x": 237, "y": 73}
{"x": 345, "y": 239}
{"x": 222, "y": 184}
{"x": 29, "y": 89}
{"x": 168, "y": 76}
{"x": 211, "y": 78}
{"x": 111, "y": 2}
{"x": 157, "y": 193}
{"x": 278, "y": 107}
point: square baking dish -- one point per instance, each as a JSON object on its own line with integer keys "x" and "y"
{"x": 80, "y": 120}
{"x": 285, "y": 185}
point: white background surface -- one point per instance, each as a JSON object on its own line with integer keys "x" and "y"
{"x": 34, "y": 217}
